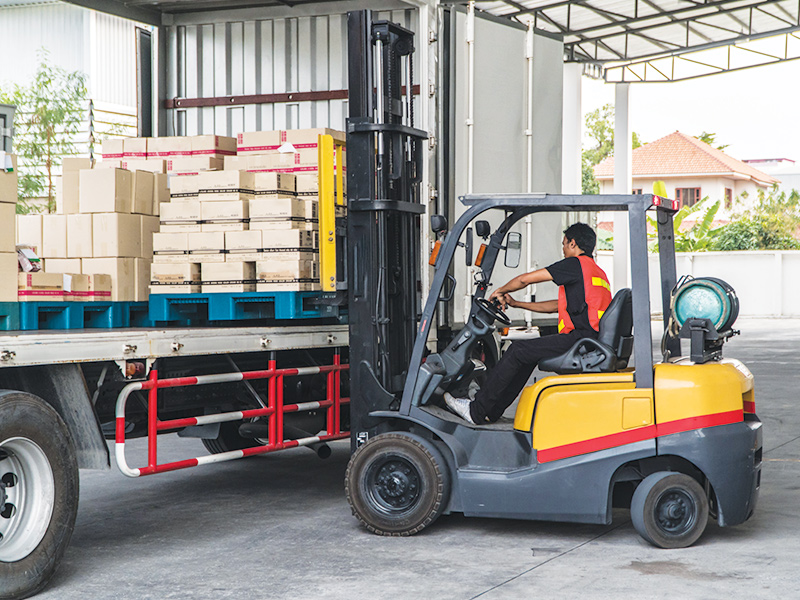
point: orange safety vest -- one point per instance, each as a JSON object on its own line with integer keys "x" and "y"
{"x": 597, "y": 291}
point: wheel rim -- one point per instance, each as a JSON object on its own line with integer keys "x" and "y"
{"x": 27, "y": 496}
{"x": 675, "y": 512}
{"x": 393, "y": 485}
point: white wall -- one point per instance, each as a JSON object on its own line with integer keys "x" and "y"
{"x": 767, "y": 281}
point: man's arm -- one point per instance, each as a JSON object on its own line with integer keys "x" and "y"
{"x": 547, "y": 306}
{"x": 521, "y": 281}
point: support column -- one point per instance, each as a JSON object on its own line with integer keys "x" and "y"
{"x": 623, "y": 181}
{"x": 572, "y": 132}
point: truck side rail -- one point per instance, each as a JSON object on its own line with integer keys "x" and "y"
{"x": 274, "y": 410}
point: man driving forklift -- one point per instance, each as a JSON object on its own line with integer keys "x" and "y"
{"x": 584, "y": 293}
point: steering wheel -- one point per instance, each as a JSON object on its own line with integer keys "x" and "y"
{"x": 494, "y": 310}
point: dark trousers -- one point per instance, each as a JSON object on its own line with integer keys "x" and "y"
{"x": 506, "y": 380}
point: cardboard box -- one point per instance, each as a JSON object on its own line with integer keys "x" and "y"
{"x": 106, "y": 191}
{"x": 287, "y": 224}
{"x": 99, "y": 287}
{"x": 160, "y": 191}
{"x": 195, "y": 227}
{"x": 76, "y": 287}
{"x": 242, "y": 240}
{"x": 79, "y": 236}
{"x": 62, "y": 265}
{"x": 142, "y": 278}
{"x": 308, "y": 138}
{"x": 228, "y": 277}
{"x": 225, "y": 185}
{"x": 170, "y": 243}
{"x": 274, "y": 185}
{"x": 277, "y": 209}
{"x": 135, "y": 148}
{"x": 307, "y": 184}
{"x": 289, "y": 239}
{"x": 29, "y": 230}
{"x": 149, "y": 227}
{"x": 8, "y": 227}
{"x": 68, "y": 200}
{"x": 183, "y": 187}
{"x": 175, "y": 289}
{"x": 40, "y": 286}
{"x": 151, "y": 165}
{"x": 211, "y": 242}
{"x": 272, "y": 270}
{"x": 193, "y": 164}
{"x": 8, "y": 276}
{"x": 113, "y": 149}
{"x": 122, "y": 272}
{"x": 180, "y": 212}
{"x": 166, "y": 147}
{"x": 224, "y": 216}
{"x": 258, "y": 142}
{"x": 54, "y": 236}
{"x": 213, "y": 144}
{"x": 142, "y": 193}
{"x": 300, "y": 285}
{"x": 116, "y": 235}
{"x": 175, "y": 274}
{"x": 109, "y": 163}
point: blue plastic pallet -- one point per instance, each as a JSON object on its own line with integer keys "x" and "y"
{"x": 82, "y": 315}
{"x": 9, "y": 316}
{"x": 167, "y": 308}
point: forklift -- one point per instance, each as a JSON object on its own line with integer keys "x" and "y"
{"x": 676, "y": 440}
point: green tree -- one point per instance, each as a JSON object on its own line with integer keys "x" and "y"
{"x": 711, "y": 139}
{"x": 702, "y": 235}
{"x": 770, "y": 225}
{"x": 600, "y": 127}
{"x": 49, "y": 114}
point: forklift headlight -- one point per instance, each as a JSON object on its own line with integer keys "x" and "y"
{"x": 706, "y": 298}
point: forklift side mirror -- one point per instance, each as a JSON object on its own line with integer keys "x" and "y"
{"x": 468, "y": 247}
{"x": 483, "y": 229}
{"x": 438, "y": 224}
{"x": 513, "y": 249}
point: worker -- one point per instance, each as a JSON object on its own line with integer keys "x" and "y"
{"x": 583, "y": 295}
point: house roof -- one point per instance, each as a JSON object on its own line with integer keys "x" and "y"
{"x": 681, "y": 154}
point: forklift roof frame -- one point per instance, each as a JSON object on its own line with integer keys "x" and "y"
{"x": 522, "y": 205}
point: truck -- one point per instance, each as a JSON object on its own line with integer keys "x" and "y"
{"x": 593, "y": 436}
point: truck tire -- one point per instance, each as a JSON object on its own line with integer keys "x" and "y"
{"x": 229, "y": 439}
{"x": 397, "y": 484}
{"x": 38, "y": 493}
{"x": 669, "y": 510}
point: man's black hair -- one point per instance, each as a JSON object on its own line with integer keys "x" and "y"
{"x": 583, "y": 235}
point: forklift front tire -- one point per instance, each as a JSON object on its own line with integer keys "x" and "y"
{"x": 669, "y": 510}
{"x": 397, "y": 484}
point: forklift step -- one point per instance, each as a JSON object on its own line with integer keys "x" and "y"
{"x": 80, "y": 315}
{"x": 196, "y": 308}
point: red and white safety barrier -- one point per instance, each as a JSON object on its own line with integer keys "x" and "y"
{"x": 274, "y": 410}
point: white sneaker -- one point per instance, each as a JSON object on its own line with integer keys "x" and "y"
{"x": 459, "y": 406}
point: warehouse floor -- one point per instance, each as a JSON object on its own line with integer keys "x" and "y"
{"x": 279, "y": 527}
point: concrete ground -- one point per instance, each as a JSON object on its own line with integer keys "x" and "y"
{"x": 279, "y": 527}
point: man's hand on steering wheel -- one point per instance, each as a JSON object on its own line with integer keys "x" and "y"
{"x": 499, "y": 297}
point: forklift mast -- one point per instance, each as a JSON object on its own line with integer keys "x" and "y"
{"x": 384, "y": 206}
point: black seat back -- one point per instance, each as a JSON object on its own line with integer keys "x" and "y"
{"x": 612, "y": 349}
{"x": 616, "y": 325}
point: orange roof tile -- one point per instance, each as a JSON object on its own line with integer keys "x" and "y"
{"x": 681, "y": 154}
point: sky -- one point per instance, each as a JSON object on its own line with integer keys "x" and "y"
{"x": 756, "y": 111}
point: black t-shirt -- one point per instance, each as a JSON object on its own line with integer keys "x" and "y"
{"x": 568, "y": 273}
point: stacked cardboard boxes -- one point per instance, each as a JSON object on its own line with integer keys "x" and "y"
{"x": 178, "y": 155}
{"x": 105, "y": 227}
{"x": 8, "y": 208}
{"x": 236, "y": 231}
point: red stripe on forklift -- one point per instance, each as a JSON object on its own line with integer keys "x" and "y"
{"x": 749, "y": 407}
{"x": 637, "y": 435}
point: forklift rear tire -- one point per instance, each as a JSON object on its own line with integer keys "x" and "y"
{"x": 38, "y": 493}
{"x": 669, "y": 510}
{"x": 397, "y": 484}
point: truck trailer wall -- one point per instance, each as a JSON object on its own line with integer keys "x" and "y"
{"x": 500, "y": 146}
{"x": 261, "y": 56}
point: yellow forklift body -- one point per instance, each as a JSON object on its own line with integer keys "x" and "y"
{"x": 570, "y": 415}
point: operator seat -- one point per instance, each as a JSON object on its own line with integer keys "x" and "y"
{"x": 609, "y": 352}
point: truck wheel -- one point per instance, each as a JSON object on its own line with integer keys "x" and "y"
{"x": 669, "y": 510}
{"x": 397, "y": 484}
{"x": 38, "y": 493}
